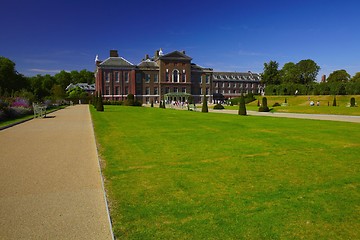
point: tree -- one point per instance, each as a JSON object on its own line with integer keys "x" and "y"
{"x": 338, "y": 76}
{"x": 242, "y": 107}
{"x": 290, "y": 73}
{"x": 308, "y": 70}
{"x": 204, "y": 105}
{"x": 63, "y": 78}
{"x": 10, "y": 79}
{"x": 356, "y": 77}
{"x": 57, "y": 92}
{"x": 271, "y": 73}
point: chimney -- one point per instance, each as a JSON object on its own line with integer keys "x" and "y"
{"x": 156, "y": 53}
{"x": 146, "y": 56}
{"x": 323, "y": 78}
{"x": 114, "y": 53}
{"x": 183, "y": 52}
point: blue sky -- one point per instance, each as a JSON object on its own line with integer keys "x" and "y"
{"x": 48, "y": 36}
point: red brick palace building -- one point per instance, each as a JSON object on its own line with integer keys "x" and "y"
{"x": 168, "y": 73}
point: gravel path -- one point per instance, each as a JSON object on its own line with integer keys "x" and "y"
{"x": 50, "y": 181}
{"x": 328, "y": 117}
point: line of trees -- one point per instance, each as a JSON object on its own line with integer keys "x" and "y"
{"x": 300, "y": 78}
{"x": 39, "y": 87}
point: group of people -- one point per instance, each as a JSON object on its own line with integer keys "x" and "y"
{"x": 313, "y": 104}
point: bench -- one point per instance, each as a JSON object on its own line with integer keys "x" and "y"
{"x": 39, "y": 110}
{"x": 192, "y": 107}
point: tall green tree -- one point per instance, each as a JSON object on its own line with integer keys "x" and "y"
{"x": 63, "y": 78}
{"x": 271, "y": 73}
{"x": 10, "y": 79}
{"x": 289, "y": 73}
{"x": 308, "y": 70}
{"x": 338, "y": 76}
{"x": 356, "y": 77}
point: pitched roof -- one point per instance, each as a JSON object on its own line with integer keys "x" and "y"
{"x": 236, "y": 76}
{"x": 148, "y": 64}
{"x": 176, "y": 55}
{"x": 116, "y": 62}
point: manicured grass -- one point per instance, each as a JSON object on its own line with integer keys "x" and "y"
{"x": 301, "y": 104}
{"x": 190, "y": 175}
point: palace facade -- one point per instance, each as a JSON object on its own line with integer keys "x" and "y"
{"x": 163, "y": 73}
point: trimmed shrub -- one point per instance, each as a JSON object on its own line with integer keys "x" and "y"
{"x": 99, "y": 104}
{"x": 204, "y": 105}
{"x": 264, "y": 107}
{"x": 219, "y": 106}
{"x": 352, "y": 102}
{"x": 276, "y": 104}
{"x": 242, "y": 107}
{"x": 334, "y": 101}
{"x": 152, "y": 103}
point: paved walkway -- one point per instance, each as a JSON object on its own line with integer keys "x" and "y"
{"x": 341, "y": 118}
{"x": 50, "y": 181}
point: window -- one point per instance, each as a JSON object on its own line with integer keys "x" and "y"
{"x": 147, "y": 91}
{"x": 229, "y": 91}
{"x": 167, "y": 90}
{"x": 229, "y": 84}
{"x": 147, "y": 78}
{"x": 117, "y": 90}
{"x": 167, "y": 75}
{"x": 138, "y": 77}
{"x": 156, "y": 91}
{"x": 107, "y": 90}
{"x": 126, "y": 76}
{"x": 176, "y": 89}
{"x": 234, "y": 85}
{"x": 175, "y": 76}
{"x": 201, "y": 92}
{"x": 207, "y": 78}
{"x": 126, "y": 90}
{"x": 117, "y": 77}
{"x": 223, "y": 84}
{"x": 216, "y": 84}
{"x": 207, "y": 91}
{"x": 107, "y": 77}
{"x": 183, "y": 89}
{"x": 183, "y": 76}
{"x": 234, "y": 91}
{"x": 156, "y": 78}
{"x": 200, "y": 79}
{"x": 147, "y": 100}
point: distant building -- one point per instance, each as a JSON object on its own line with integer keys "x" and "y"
{"x": 168, "y": 73}
{"x": 89, "y": 88}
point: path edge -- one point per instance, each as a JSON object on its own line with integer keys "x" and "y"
{"x": 102, "y": 178}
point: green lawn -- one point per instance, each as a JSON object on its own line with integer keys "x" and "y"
{"x": 301, "y": 104}
{"x": 189, "y": 175}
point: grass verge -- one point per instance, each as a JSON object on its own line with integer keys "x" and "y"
{"x": 180, "y": 175}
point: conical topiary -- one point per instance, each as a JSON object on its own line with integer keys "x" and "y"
{"x": 99, "y": 104}
{"x": 242, "y": 107}
{"x": 264, "y": 107}
{"x": 204, "y": 105}
{"x": 352, "y": 102}
{"x": 334, "y": 102}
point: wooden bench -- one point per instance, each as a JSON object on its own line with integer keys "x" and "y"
{"x": 39, "y": 110}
